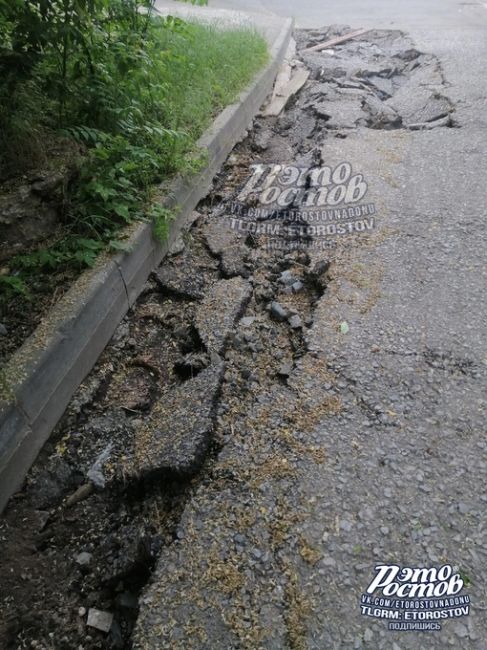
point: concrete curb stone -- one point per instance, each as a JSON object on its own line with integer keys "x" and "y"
{"x": 39, "y": 380}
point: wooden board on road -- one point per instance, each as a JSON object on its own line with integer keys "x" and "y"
{"x": 336, "y": 41}
{"x": 283, "y": 95}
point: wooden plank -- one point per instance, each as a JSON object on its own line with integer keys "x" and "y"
{"x": 296, "y": 82}
{"x": 282, "y": 80}
{"x": 285, "y": 72}
{"x": 336, "y": 41}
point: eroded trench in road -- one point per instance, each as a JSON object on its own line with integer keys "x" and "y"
{"x": 219, "y": 323}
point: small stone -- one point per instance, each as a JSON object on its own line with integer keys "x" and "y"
{"x": 297, "y": 286}
{"x": 461, "y": 630}
{"x": 287, "y": 278}
{"x": 99, "y": 620}
{"x": 82, "y": 612}
{"x": 278, "y": 311}
{"x": 247, "y": 321}
{"x": 321, "y": 267}
{"x": 285, "y": 370}
{"x": 368, "y": 635}
{"x": 295, "y": 322}
{"x": 83, "y": 492}
{"x": 3, "y": 330}
{"x": 177, "y": 247}
{"x": 83, "y": 559}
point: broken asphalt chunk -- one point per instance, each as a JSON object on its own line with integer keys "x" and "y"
{"x": 183, "y": 277}
{"x": 99, "y": 620}
{"x": 219, "y": 311}
{"x": 225, "y": 243}
{"x": 180, "y": 283}
{"x": 176, "y": 438}
{"x": 382, "y": 116}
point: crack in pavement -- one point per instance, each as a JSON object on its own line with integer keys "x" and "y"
{"x": 280, "y": 420}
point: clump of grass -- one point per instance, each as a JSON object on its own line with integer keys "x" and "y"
{"x": 221, "y": 63}
{"x": 138, "y": 105}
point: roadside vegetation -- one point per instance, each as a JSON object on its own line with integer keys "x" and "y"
{"x": 129, "y": 92}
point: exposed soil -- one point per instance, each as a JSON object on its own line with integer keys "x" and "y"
{"x": 32, "y": 216}
{"x": 122, "y": 509}
{"x": 20, "y": 315}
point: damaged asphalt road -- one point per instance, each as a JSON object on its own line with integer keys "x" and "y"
{"x": 275, "y": 421}
{"x": 371, "y": 450}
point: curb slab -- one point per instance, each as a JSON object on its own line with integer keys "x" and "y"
{"x": 38, "y": 382}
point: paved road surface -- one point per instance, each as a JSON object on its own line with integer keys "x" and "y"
{"x": 397, "y": 473}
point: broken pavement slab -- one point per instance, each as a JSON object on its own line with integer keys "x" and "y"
{"x": 219, "y": 311}
{"x": 379, "y": 81}
{"x": 175, "y": 439}
{"x": 227, "y": 245}
{"x": 422, "y": 106}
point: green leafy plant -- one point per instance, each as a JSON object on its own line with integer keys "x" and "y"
{"x": 11, "y": 285}
{"x": 161, "y": 218}
{"x": 135, "y": 90}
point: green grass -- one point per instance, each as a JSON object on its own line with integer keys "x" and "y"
{"x": 222, "y": 63}
{"x": 138, "y": 111}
